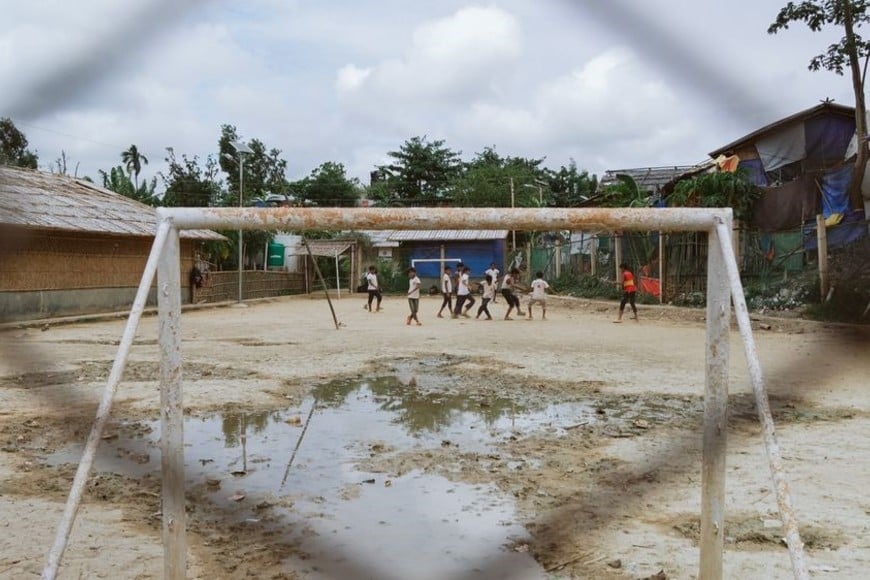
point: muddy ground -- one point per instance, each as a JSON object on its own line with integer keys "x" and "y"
{"x": 588, "y": 431}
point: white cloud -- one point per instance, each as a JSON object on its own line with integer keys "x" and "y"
{"x": 351, "y": 77}
{"x": 448, "y": 60}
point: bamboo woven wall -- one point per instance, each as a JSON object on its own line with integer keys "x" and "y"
{"x": 70, "y": 261}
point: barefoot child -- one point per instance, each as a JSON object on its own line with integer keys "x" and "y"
{"x": 446, "y": 292}
{"x": 507, "y": 290}
{"x": 494, "y": 272}
{"x": 488, "y": 293}
{"x": 463, "y": 295}
{"x": 539, "y": 295}
{"x": 413, "y": 296}
{"x": 373, "y": 288}
{"x": 629, "y": 291}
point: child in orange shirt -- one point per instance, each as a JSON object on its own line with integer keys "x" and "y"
{"x": 629, "y": 291}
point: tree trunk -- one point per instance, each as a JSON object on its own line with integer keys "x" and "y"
{"x": 855, "y": 195}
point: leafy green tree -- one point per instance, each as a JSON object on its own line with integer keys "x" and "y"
{"x": 118, "y": 180}
{"x": 569, "y": 186}
{"x": 486, "y": 181}
{"x": 420, "y": 174}
{"x": 848, "y": 15}
{"x": 328, "y": 186}
{"x": 624, "y": 193}
{"x": 133, "y": 160}
{"x": 717, "y": 189}
{"x": 264, "y": 170}
{"x": 13, "y": 146}
{"x": 188, "y": 184}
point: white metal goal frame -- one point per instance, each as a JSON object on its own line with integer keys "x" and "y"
{"x": 723, "y": 287}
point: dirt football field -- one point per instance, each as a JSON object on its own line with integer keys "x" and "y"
{"x": 564, "y": 448}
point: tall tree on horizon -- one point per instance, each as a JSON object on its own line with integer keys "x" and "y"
{"x": 13, "y": 146}
{"x": 133, "y": 160}
{"x": 850, "y": 15}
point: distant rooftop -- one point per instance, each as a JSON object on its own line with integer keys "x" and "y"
{"x": 647, "y": 178}
{"x": 34, "y": 199}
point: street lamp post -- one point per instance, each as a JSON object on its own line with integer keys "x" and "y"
{"x": 242, "y": 150}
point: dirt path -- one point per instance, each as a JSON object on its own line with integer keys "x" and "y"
{"x": 607, "y": 486}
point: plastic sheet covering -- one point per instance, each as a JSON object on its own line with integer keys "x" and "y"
{"x": 754, "y": 171}
{"x": 785, "y": 207}
{"x": 851, "y": 229}
{"x": 827, "y": 138}
{"x": 783, "y": 147}
{"x": 835, "y": 185}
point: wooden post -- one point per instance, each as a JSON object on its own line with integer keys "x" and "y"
{"x": 715, "y": 411}
{"x": 661, "y": 267}
{"x": 822, "y": 236}
{"x": 594, "y": 255}
{"x": 617, "y": 254}
{"x": 171, "y": 411}
{"x": 513, "y": 232}
{"x": 558, "y": 258}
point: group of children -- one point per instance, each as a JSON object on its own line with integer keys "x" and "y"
{"x": 509, "y": 285}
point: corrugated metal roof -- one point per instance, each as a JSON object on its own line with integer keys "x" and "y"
{"x": 647, "y": 178}
{"x": 331, "y": 248}
{"x": 447, "y": 235}
{"x": 35, "y": 199}
{"x": 380, "y": 238}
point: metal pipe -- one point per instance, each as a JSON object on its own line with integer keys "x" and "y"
{"x": 241, "y": 197}
{"x": 533, "y": 219}
{"x": 171, "y": 411}
{"x": 771, "y": 446}
{"x": 715, "y": 414}
{"x": 64, "y": 527}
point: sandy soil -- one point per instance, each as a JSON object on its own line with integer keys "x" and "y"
{"x": 613, "y": 497}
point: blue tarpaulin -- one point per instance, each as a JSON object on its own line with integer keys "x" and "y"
{"x": 827, "y": 138}
{"x": 754, "y": 171}
{"x": 851, "y": 229}
{"x": 835, "y": 185}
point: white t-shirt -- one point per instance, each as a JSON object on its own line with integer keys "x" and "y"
{"x": 446, "y": 284}
{"x": 507, "y": 282}
{"x": 539, "y": 289}
{"x": 372, "y": 279}
{"x": 488, "y": 290}
{"x": 414, "y": 287}
{"x": 494, "y": 273}
{"x": 463, "y": 286}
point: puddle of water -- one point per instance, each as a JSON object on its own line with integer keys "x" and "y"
{"x": 418, "y": 525}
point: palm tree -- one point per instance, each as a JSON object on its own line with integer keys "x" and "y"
{"x": 134, "y": 161}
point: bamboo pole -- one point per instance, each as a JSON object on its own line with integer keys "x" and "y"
{"x": 822, "y": 237}
{"x": 322, "y": 282}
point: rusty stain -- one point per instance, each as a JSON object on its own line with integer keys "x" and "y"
{"x": 532, "y": 219}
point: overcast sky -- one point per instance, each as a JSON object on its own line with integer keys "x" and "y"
{"x": 611, "y": 84}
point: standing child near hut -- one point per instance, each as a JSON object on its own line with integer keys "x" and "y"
{"x": 413, "y": 296}
{"x": 446, "y": 291}
{"x": 494, "y": 272}
{"x": 539, "y": 295}
{"x": 507, "y": 290}
{"x": 629, "y": 291}
{"x": 373, "y": 288}
{"x": 488, "y": 294}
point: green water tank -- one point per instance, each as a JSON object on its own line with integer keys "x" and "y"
{"x": 276, "y": 255}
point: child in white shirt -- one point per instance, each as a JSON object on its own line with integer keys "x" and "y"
{"x": 488, "y": 294}
{"x": 413, "y": 296}
{"x": 539, "y": 295}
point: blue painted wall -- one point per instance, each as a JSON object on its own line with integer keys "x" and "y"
{"x": 477, "y": 255}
